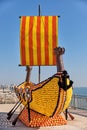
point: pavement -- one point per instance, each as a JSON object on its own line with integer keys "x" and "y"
{"x": 79, "y": 122}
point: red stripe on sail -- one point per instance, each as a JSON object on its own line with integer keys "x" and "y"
{"x": 23, "y": 40}
{"x": 46, "y": 41}
{"x": 54, "y": 37}
{"x": 38, "y": 40}
{"x": 30, "y": 40}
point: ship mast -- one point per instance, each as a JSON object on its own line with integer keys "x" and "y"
{"x": 39, "y": 69}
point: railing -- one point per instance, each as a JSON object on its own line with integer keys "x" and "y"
{"x": 79, "y": 101}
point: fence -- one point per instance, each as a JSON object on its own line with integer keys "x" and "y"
{"x": 79, "y": 101}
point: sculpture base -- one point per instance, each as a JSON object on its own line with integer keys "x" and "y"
{"x": 38, "y": 120}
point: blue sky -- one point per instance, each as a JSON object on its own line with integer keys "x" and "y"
{"x": 72, "y": 36}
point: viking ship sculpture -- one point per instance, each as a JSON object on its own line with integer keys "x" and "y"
{"x": 43, "y": 102}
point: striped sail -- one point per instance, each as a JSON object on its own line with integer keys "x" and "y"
{"x": 38, "y": 38}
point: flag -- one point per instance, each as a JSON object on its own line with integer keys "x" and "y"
{"x": 38, "y": 38}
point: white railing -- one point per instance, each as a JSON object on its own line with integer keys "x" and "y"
{"x": 79, "y": 101}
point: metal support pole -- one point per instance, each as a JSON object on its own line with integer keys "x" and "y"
{"x": 39, "y": 66}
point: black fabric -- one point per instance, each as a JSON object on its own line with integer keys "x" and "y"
{"x": 63, "y": 83}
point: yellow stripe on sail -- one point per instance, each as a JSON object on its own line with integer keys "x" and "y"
{"x": 42, "y": 41}
{"x": 50, "y": 39}
{"x": 34, "y": 39}
{"x": 27, "y": 40}
{"x": 20, "y": 41}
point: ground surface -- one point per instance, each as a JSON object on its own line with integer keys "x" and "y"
{"x": 79, "y": 122}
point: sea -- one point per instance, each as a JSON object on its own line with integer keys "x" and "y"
{"x": 80, "y": 91}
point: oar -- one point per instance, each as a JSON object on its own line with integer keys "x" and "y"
{"x": 71, "y": 116}
{"x": 12, "y": 109}
{"x": 15, "y": 120}
{"x": 28, "y": 96}
{"x": 10, "y": 115}
{"x": 28, "y": 111}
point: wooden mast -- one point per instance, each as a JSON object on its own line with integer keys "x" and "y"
{"x": 28, "y": 69}
{"x": 59, "y": 58}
